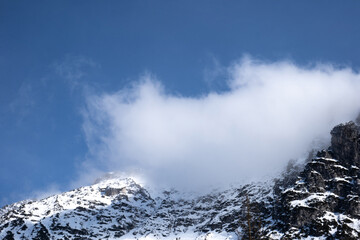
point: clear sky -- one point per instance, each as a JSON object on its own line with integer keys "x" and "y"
{"x": 53, "y": 53}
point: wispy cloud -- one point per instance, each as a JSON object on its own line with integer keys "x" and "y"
{"x": 74, "y": 68}
{"x": 215, "y": 74}
{"x": 273, "y": 112}
{"x": 23, "y": 102}
{"x": 50, "y": 190}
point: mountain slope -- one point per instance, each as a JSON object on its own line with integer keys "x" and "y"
{"x": 321, "y": 200}
{"x": 118, "y": 207}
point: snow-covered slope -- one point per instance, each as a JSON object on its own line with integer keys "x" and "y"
{"x": 120, "y": 208}
{"x": 104, "y": 210}
{"x": 320, "y": 200}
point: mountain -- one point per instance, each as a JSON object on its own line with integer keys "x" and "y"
{"x": 317, "y": 200}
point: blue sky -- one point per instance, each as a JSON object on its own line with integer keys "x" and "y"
{"x": 53, "y": 54}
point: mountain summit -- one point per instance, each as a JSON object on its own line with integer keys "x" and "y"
{"x": 320, "y": 200}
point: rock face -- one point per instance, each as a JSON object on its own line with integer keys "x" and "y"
{"x": 345, "y": 144}
{"x": 323, "y": 200}
{"x": 320, "y": 200}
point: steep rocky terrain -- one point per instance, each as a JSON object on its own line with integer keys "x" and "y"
{"x": 320, "y": 200}
{"x": 323, "y": 199}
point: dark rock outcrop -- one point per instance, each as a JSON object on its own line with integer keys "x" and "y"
{"x": 323, "y": 199}
{"x": 345, "y": 144}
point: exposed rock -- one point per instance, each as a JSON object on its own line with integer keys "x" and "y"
{"x": 345, "y": 143}
{"x": 325, "y": 196}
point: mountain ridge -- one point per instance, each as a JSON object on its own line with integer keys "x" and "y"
{"x": 320, "y": 200}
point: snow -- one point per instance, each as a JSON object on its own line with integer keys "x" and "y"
{"x": 339, "y": 166}
{"x": 326, "y": 159}
{"x": 339, "y": 179}
{"x": 155, "y": 211}
{"x": 67, "y": 207}
{"x": 312, "y": 198}
{"x": 185, "y": 236}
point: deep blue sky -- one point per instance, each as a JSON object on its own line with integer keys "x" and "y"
{"x": 111, "y": 43}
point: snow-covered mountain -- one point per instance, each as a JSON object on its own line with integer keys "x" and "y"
{"x": 319, "y": 200}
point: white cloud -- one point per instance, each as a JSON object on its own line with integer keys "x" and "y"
{"x": 273, "y": 112}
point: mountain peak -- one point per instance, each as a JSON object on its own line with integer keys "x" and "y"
{"x": 319, "y": 201}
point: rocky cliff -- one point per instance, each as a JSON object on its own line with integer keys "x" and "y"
{"x": 323, "y": 199}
